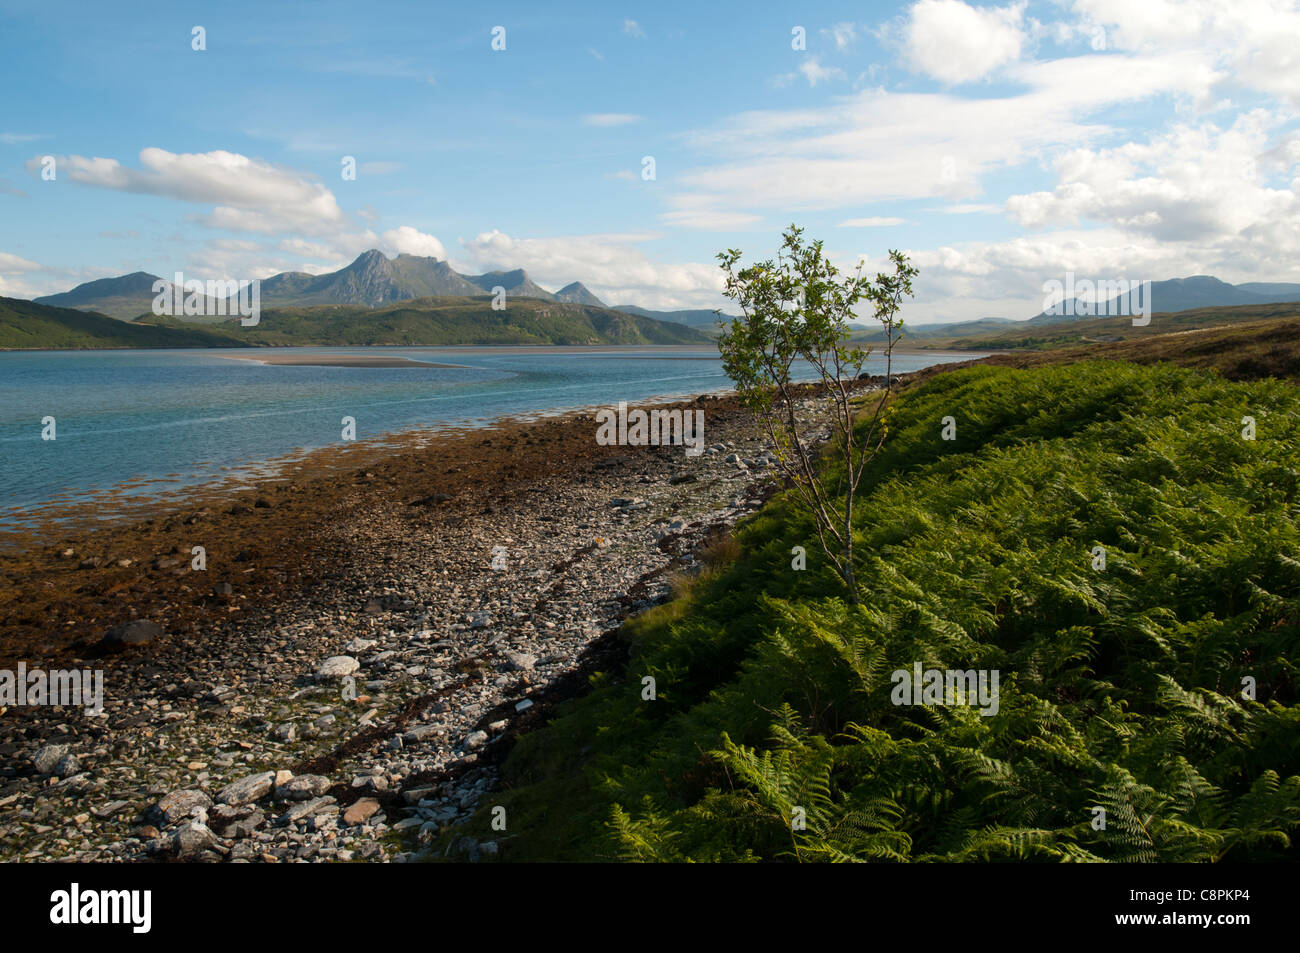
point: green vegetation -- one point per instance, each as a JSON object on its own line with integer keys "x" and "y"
{"x": 25, "y": 324}
{"x": 453, "y": 321}
{"x": 992, "y": 336}
{"x": 1120, "y": 688}
{"x": 796, "y": 307}
{"x": 419, "y": 322}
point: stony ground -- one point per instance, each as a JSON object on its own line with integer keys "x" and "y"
{"x": 362, "y": 718}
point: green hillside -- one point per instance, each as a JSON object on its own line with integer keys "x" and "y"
{"x": 25, "y": 324}
{"x": 1120, "y": 688}
{"x": 452, "y": 321}
{"x": 1022, "y": 335}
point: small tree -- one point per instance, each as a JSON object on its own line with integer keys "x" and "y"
{"x": 798, "y": 308}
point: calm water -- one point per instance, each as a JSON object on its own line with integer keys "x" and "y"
{"x": 167, "y": 419}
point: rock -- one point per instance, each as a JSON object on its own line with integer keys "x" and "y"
{"x": 307, "y": 809}
{"x": 303, "y": 787}
{"x": 360, "y": 811}
{"x": 223, "y": 589}
{"x": 181, "y": 804}
{"x": 105, "y": 811}
{"x": 139, "y": 632}
{"x": 68, "y": 766}
{"x": 520, "y": 661}
{"x": 286, "y": 732}
{"x": 476, "y": 739}
{"x": 282, "y": 777}
{"x": 478, "y": 620}
{"x": 683, "y": 478}
{"x": 192, "y": 838}
{"x": 247, "y": 790}
{"x": 421, "y": 732}
{"x": 524, "y": 705}
{"x": 262, "y": 503}
{"x": 338, "y": 666}
{"x": 48, "y": 758}
{"x": 361, "y": 645}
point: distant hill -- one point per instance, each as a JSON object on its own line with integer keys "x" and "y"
{"x": 1025, "y": 335}
{"x": 446, "y": 321}
{"x": 578, "y": 293}
{"x": 26, "y": 325}
{"x": 697, "y": 318}
{"x": 1186, "y": 294}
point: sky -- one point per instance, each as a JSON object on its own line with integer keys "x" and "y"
{"x": 999, "y": 145}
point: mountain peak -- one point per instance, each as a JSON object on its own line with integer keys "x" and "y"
{"x": 367, "y": 258}
{"x": 577, "y": 293}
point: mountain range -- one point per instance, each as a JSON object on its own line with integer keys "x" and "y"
{"x": 374, "y": 280}
{"x": 1186, "y": 294}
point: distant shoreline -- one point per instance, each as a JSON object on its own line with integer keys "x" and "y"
{"x": 341, "y": 360}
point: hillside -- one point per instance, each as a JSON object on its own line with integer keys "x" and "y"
{"x": 1119, "y": 688}
{"x": 27, "y": 325}
{"x": 1022, "y": 335}
{"x": 452, "y": 321}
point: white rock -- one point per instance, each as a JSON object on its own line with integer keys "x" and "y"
{"x": 338, "y": 666}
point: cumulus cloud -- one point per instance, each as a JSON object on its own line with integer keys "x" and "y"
{"x": 956, "y": 43}
{"x": 1254, "y": 42}
{"x": 411, "y": 241}
{"x": 249, "y": 194}
{"x": 612, "y": 266}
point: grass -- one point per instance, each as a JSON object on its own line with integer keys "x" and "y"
{"x": 1121, "y": 688}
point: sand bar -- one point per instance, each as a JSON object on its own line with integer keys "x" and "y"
{"x": 333, "y": 360}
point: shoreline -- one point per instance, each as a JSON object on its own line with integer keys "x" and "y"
{"x": 388, "y": 562}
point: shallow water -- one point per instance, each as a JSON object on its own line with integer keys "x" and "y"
{"x": 137, "y": 422}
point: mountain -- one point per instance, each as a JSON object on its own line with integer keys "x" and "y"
{"x": 578, "y": 293}
{"x": 696, "y": 318}
{"x": 123, "y": 297}
{"x": 1186, "y": 294}
{"x": 27, "y": 324}
{"x": 912, "y": 332}
{"x": 372, "y": 280}
{"x": 447, "y": 321}
{"x": 1273, "y": 288}
{"x": 516, "y": 283}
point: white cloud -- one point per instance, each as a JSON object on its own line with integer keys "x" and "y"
{"x": 251, "y": 195}
{"x": 844, "y": 34}
{"x": 704, "y": 213}
{"x": 632, "y": 28}
{"x": 411, "y": 241}
{"x": 956, "y": 43}
{"x": 14, "y": 265}
{"x": 609, "y": 119}
{"x": 812, "y": 70}
{"x": 1255, "y": 41}
{"x": 612, "y": 266}
{"x": 13, "y": 138}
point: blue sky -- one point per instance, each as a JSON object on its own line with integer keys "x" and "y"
{"x": 1000, "y": 145}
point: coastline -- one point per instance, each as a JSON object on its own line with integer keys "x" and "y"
{"x": 385, "y": 559}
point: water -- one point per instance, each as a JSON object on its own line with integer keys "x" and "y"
{"x": 138, "y": 422}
